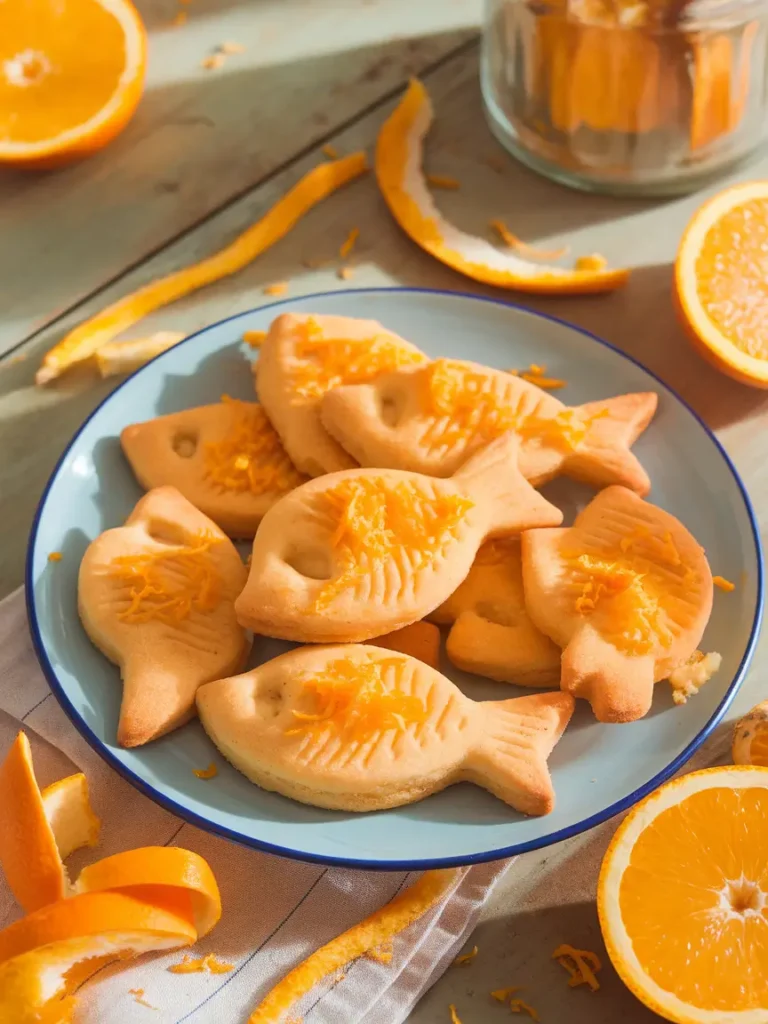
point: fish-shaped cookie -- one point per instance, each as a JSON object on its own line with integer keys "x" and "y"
{"x": 491, "y": 632}
{"x": 360, "y": 728}
{"x": 352, "y": 555}
{"x": 225, "y": 458}
{"x": 626, "y": 592}
{"x": 303, "y": 357}
{"x": 429, "y": 419}
{"x": 156, "y": 596}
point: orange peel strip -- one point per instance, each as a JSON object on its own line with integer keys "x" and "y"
{"x": 399, "y": 173}
{"x": 723, "y": 584}
{"x": 359, "y": 940}
{"x": 89, "y": 336}
{"x": 508, "y": 238}
{"x": 127, "y": 356}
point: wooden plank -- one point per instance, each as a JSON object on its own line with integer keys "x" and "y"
{"x": 201, "y": 137}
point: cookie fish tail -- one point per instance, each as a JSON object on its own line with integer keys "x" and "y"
{"x": 619, "y": 686}
{"x": 516, "y": 738}
{"x": 155, "y": 701}
{"x": 613, "y": 426}
{"x": 492, "y": 478}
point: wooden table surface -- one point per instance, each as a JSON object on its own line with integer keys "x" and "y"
{"x": 206, "y": 154}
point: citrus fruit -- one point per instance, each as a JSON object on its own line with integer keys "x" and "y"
{"x": 71, "y": 76}
{"x": 399, "y": 152}
{"x": 683, "y": 898}
{"x": 30, "y": 854}
{"x": 750, "y": 737}
{"x": 721, "y": 282}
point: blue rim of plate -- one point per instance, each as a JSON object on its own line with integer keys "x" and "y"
{"x": 400, "y": 865}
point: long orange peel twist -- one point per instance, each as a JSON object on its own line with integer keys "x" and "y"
{"x": 88, "y": 337}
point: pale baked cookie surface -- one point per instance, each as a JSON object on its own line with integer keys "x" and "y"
{"x": 156, "y": 596}
{"x": 226, "y": 459}
{"x": 359, "y": 728}
{"x": 302, "y": 358}
{"x": 626, "y": 592}
{"x": 355, "y": 554}
{"x": 491, "y": 633}
{"x": 429, "y": 419}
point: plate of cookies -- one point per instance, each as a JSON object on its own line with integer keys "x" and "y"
{"x": 409, "y": 579}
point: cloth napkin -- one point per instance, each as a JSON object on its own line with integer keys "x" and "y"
{"x": 275, "y": 911}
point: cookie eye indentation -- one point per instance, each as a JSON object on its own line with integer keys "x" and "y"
{"x": 165, "y": 532}
{"x": 312, "y": 562}
{"x": 390, "y": 408}
{"x": 184, "y": 444}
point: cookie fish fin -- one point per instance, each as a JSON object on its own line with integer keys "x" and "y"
{"x": 491, "y": 476}
{"x": 604, "y": 456}
{"x": 619, "y": 686}
{"x": 515, "y": 739}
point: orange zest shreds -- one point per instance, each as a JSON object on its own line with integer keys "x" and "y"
{"x": 455, "y": 1019}
{"x": 127, "y": 356}
{"x": 382, "y": 954}
{"x": 581, "y": 964}
{"x": 687, "y": 679}
{"x": 723, "y": 584}
{"x": 359, "y": 697}
{"x": 213, "y": 61}
{"x": 349, "y": 243}
{"x": 89, "y": 336}
{"x": 508, "y": 238}
{"x": 501, "y": 995}
{"x": 547, "y": 383}
{"x": 324, "y": 363}
{"x": 206, "y": 773}
{"x": 55, "y": 556}
{"x": 330, "y": 151}
{"x": 374, "y": 521}
{"x": 250, "y": 457}
{"x": 345, "y": 273}
{"x": 168, "y": 585}
{"x": 537, "y": 370}
{"x": 465, "y": 958}
{"x": 379, "y": 928}
{"x": 231, "y": 48}
{"x": 138, "y": 997}
{"x": 518, "y": 1006}
{"x": 443, "y": 181}
{"x": 278, "y": 288}
{"x": 254, "y": 338}
{"x": 208, "y": 964}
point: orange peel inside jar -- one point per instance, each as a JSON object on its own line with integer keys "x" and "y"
{"x": 399, "y": 157}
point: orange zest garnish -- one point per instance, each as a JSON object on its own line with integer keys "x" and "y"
{"x": 378, "y": 521}
{"x": 208, "y": 964}
{"x": 501, "y": 995}
{"x": 254, "y": 338}
{"x": 89, "y": 336}
{"x": 324, "y": 363}
{"x": 581, "y": 964}
{"x": 206, "y": 773}
{"x": 250, "y": 457}
{"x": 359, "y": 697}
{"x": 55, "y": 556}
{"x": 349, "y": 243}
{"x": 138, "y": 997}
{"x": 330, "y": 151}
{"x": 533, "y": 251}
{"x": 465, "y": 958}
{"x": 455, "y": 1019}
{"x": 443, "y": 181}
{"x": 518, "y": 1006}
{"x": 547, "y": 383}
{"x": 168, "y": 584}
{"x": 278, "y": 288}
{"x": 723, "y": 584}
{"x": 358, "y": 941}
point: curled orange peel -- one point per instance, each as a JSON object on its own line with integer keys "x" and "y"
{"x": 399, "y": 152}
{"x": 126, "y": 356}
{"x": 88, "y": 337}
{"x": 358, "y": 941}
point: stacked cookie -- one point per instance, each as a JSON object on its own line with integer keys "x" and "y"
{"x": 383, "y": 489}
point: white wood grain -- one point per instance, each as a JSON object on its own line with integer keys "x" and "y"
{"x": 201, "y": 137}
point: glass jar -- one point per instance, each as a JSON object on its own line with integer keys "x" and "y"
{"x": 627, "y": 96}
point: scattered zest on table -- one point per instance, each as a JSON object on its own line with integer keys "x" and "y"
{"x": 349, "y": 243}
{"x": 723, "y": 584}
{"x": 278, "y": 288}
{"x": 206, "y": 773}
{"x": 443, "y": 181}
{"x": 501, "y": 995}
{"x": 581, "y": 964}
{"x": 403, "y": 185}
{"x": 138, "y": 997}
{"x": 455, "y": 1019}
{"x": 358, "y": 941}
{"x": 330, "y": 151}
{"x": 88, "y": 337}
{"x": 208, "y": 964}
{"x": 465, "y": 958}
{"x": 520, "y": 1006}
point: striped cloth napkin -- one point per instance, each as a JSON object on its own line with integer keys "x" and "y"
{"x": 275, "y": 911}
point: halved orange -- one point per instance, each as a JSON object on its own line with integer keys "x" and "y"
{"x": 721, "y": 282}
{"x": 71, "y": 76}
{"x": 683, "y": 898}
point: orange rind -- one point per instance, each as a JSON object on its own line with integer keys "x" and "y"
{"x": 399, "y": 158}
{"x": 88, "y": 337}
{"x": 126, "y": 356}
{"x": 750, "y": 737}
